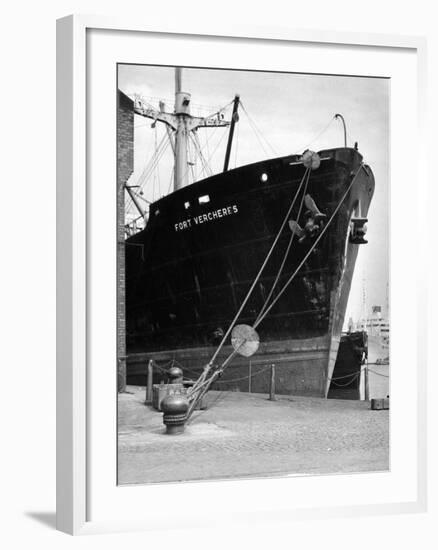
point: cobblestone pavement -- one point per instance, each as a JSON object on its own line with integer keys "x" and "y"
{"x": 246, "y": 435}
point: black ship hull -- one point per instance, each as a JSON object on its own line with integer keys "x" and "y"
{"x": 189, "y": 270}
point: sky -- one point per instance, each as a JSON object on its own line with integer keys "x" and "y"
{"x": 288, "y": 113}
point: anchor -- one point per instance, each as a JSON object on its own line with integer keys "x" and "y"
{"x": 313, "y": 210}
{"x": 314, "y": 221}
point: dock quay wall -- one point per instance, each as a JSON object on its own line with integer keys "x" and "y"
{"x": 300, "y": 367}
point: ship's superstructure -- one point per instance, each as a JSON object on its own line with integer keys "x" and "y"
{"x": 376, "y": 325}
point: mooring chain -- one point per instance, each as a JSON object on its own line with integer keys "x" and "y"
{"x": 354, "y": 377}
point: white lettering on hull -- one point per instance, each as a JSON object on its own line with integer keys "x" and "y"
{"x": 207, "y": 217}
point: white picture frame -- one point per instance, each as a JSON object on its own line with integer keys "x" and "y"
{"x": 76, "y": 215}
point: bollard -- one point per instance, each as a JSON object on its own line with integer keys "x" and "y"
{"x": 149, "y": 382}
{"x": 380, "y": 404}
{"x": 175, "y": 375}
{"x": 175, "y": 407}
{"x": 272, "y": 385}
{"x": 366, "y": 383}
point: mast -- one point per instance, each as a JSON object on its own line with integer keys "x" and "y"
{"x": 179, "y": 125}
{"x": 178, "y": 79}
{"x": 234, "y": 119}
{"x": 182, "y": 110}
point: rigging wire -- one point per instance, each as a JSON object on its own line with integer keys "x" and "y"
{"x": 258, "y": 132}
{"x": 208, "y": 136}
{"x": 158, "y": 173}
{"x": 155, "y": 158}
{"x": 260, "y": 141}
{"x": 154, "y": 179}
{"x": 205, "y": 168}
{"x": 190, "y": 158}
{"x": 138, "y": 196}
{"x": 316, "y": 137}
{"x": 209, "y": 140}
{"x": 209, "y": 159}
{"x": 172, "y": 175}
{"x": 148, "y": 170}
{"x": 237, "y": 145}
{"x": 216, "y": 148}
{"x": 142, "y": 178}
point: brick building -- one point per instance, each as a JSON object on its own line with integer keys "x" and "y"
{"x": 125, "y": 166}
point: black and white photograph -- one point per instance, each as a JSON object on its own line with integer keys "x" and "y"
{"x": 219, "y": 275}
{"x": 253, "y": 314}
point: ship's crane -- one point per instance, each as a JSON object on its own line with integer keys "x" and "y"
{"x": 179, "y": 125}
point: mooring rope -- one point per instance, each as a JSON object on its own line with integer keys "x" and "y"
{"x": 318, "y": 238}
{"x": 202, "y": 385}
{"x": 285, "y": 220}
{"x": 286, "y": 254}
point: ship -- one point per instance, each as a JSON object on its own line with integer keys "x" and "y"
{"x": 197, "y": 261}
{"x": 376, "y": 325}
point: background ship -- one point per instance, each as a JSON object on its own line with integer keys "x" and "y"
{"x": 376, "y": 326}
{"x": 189, "y": 270}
